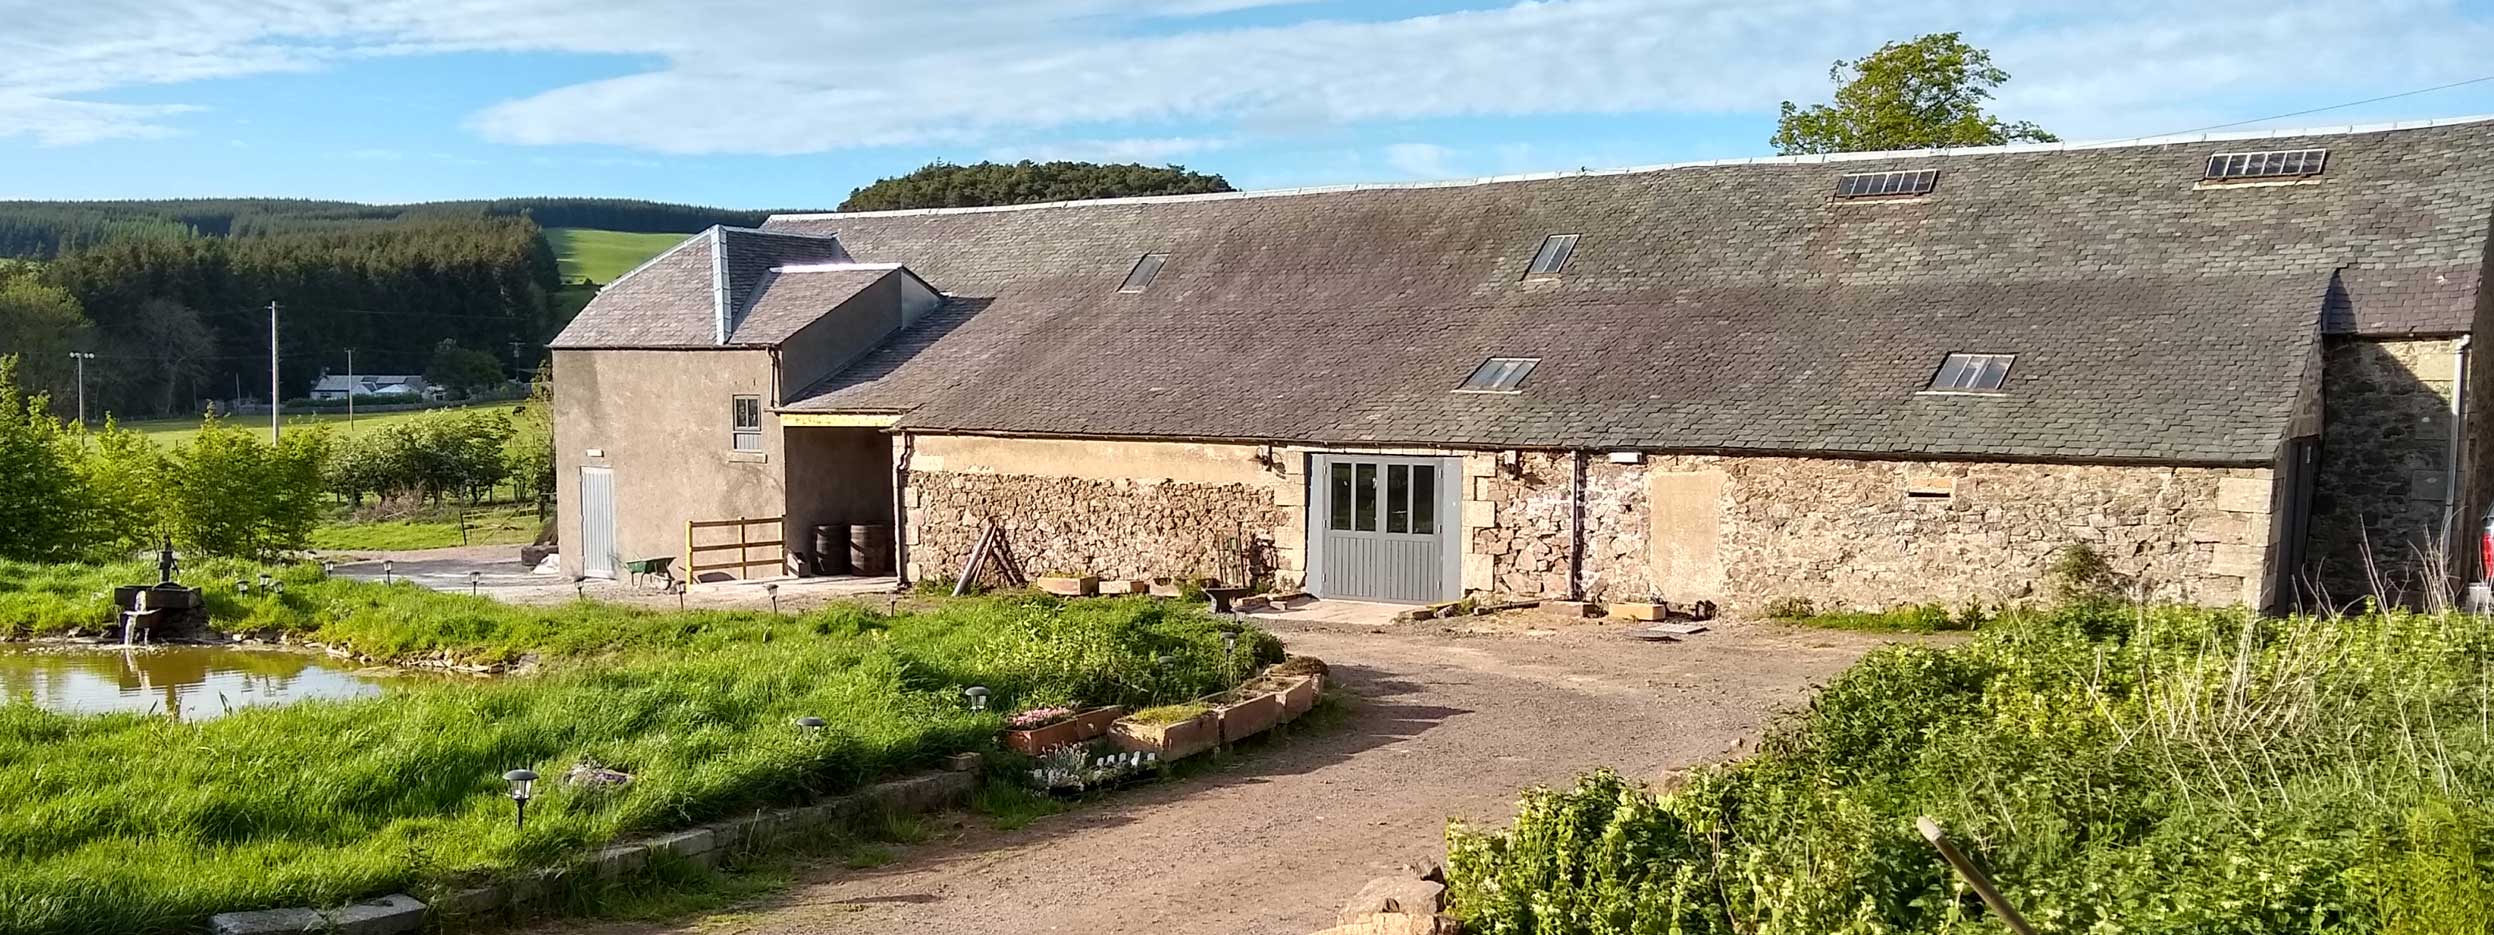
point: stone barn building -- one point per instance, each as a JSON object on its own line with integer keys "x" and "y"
{"x": 2236, "y": 365}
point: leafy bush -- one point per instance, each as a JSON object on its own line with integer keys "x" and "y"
{"x": 427, "y": 457}
{"x": 2195, "y": 772}
{"x": 228, "y": 493}
{"x": 42, "y": 506}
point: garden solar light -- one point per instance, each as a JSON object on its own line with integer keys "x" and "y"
{"x": 523, "y": 782}
{"x": 242, "y": 586}
{"x": 387, "y": 568}
{"x": 773, "y": 591}
{"x": 277, "y": 588}
{"x": 978, "y": 697}
{"x": 264, "y": 581}
{"x": 813, "y": 725}
{"x": 472, "y": 576}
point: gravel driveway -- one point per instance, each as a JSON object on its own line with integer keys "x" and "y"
{"x": 1440, "y": 724}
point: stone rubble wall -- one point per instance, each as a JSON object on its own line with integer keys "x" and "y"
{"x": 2385, "y": 446}
{"x": 1852, "y": 533}
{"x": 1112, "y": 528}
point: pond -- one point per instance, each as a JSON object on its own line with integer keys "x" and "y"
{"x": 192, "y": 683}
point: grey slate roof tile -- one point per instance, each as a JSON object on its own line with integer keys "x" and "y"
{"x": 1728, "y": 307}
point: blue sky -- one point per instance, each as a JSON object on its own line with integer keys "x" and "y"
{"x": 748, "y": 103}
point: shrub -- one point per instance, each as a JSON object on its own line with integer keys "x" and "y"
{"x": 42, "y": 507}
{"x": 2198, "y": 771}
{"x": 231, "y": 494}
{"x": 1169, "y": 713}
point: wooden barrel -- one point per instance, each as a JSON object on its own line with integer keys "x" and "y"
{"x": 870, "y": 549}
{"x": 831, "y": 549}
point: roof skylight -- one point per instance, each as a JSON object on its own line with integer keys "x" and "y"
{"x": 1972, "y": 373}
{"x": 1553, "y": 256}
{"x": 2282, "y": 163}
{"x": 1877, "y": 184}
{"x": 1499, "y": 375}
{"x": 1145, "y": 270}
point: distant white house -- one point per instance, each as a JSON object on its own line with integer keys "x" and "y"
{"x": 332, "y": 386}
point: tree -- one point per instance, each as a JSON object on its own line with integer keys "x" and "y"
{"x": 945, "y": 185}
{"x": 233, "y": 494}
{"x": 1924, "y": 94}
{"x": 43, "y": 508}
{"x": 462, "y": 371}
{"x": 42, "y": 324}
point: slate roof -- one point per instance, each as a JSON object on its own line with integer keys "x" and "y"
{"x": 1731, "y": 307}
{"x": 672, "y": 300}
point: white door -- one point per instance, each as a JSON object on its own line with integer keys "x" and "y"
{"x": 597, "y": 523}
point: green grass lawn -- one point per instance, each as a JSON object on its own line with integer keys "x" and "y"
{"x": 491, "y": 524}
{"x": 129, "y": 823}
{"x": 175, "y": 431}
{"x": 604, "y": 255}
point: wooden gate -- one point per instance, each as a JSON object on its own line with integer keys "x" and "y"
{"x": 696, "y": 553}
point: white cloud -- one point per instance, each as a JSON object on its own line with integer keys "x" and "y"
{"x": 1147, "y": 150}
{"x": 1146, "y": 77}
{"x": 1422, "y": 160}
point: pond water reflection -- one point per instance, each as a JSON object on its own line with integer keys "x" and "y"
{"x": 192, "y": 683}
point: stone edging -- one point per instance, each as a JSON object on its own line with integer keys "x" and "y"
{"x": 704, "y": 845}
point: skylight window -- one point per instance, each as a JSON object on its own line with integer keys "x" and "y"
{"x": 1145, "y": 270}
{"x": 2283, "y": 163}
{"x": 1879, "y": 184}
{"x": 1499, "y": 375}
{"x": 1555, "y": 251}
{"x": 1972, "y": 373}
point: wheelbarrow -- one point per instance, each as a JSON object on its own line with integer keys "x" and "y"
{"x": 663, "y": 567}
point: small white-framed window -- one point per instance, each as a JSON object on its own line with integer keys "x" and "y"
{"x": 1145, "y": 270}
{"x": 1553, "y": 255}
{"x": 1972, "y": 373}
{"x": 746, "y": 434}
{"x": 1499, "y": 375}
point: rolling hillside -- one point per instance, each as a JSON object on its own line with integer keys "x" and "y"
{"x": 602, "y": 255}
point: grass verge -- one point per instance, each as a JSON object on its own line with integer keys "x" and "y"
{"x": 2164, "y": 770}
{"x": 432, "y": 528}
{"x": 136, "y": 824}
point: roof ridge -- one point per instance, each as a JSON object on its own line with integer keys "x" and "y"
{"x": 1804, "y": 159}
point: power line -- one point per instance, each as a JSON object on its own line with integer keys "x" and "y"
{"x": 2299, "y": 113}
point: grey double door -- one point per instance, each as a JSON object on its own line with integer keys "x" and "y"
{"x": 1384, "y": 528}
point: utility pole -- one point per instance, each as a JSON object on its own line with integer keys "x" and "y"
{"x": 350, "y": 391}
{"x": 82, "y": 357}
{"x": 272, "y": 372}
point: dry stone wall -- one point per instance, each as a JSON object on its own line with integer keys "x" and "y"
{"x": 1112, "y": 528}
{"x": 1869, "y": 533}
{"x": 2385, "y": 444}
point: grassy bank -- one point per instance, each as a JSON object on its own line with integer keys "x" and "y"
{"x": 130, "y": 823}
{"x": 430, "y": 528}
{"x": 2167, "y": 771}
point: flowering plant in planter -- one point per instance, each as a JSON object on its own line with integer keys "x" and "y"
{"x": 1037, "y": 718}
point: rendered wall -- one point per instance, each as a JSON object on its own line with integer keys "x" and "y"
{"x": 661, "y": 421}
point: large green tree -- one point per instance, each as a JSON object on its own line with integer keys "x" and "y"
{"x": 42, "y": 325}
{"x": 945, "y": 185}
{"x": 1924, "y": 94}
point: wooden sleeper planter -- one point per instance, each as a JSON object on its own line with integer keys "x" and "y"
{"x": 1086, "y": 726}
{"x": 1124, "y": 586}
{"x": 1084, "y": 586}
{"x": 1172, "y": 741}
{"x": 1249, "y": 717}
{"x": 1300, "y": 695}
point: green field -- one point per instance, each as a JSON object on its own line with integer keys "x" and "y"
{"x": 171, "y": 432}
{"x": 601, "y": 256}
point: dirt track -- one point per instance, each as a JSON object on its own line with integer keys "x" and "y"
{"x": 1441, "y": 725}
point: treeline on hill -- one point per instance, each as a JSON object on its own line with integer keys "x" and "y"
{"x": 45, "y": 229}
{"x": 177, "y": 320}
{"x": 947, "y": 185}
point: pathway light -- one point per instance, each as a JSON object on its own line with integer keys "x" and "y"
{"x": 523, "y": 786}
{"x": 978, "y": 697}
{"x": 389, "y": 571}
{"x": 813, "y": 725}
{"x": 472, "y": 576}
{"x": 772, "y": 589}
{"x": 242, "y": 585}
{"x": 264, "y": 581}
